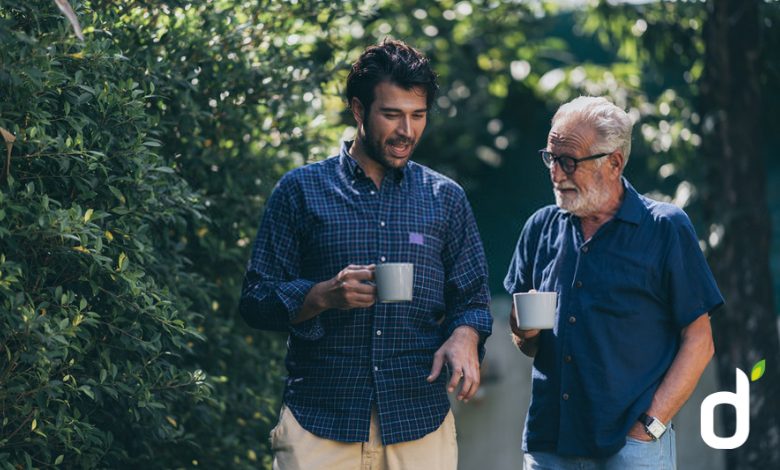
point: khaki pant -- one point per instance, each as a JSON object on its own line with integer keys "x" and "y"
{"x": 297, "y": 449}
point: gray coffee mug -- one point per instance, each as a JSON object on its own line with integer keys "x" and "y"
{"x": 535, "y": 310}
{"x": 394, "y": 282}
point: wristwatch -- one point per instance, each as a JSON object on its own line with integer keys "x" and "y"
{"x": 653, "y": 426}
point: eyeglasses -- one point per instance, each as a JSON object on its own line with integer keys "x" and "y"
{"x": 567, "y": 164}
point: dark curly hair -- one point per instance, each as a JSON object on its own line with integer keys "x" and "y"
{"x": 393, "y": 61}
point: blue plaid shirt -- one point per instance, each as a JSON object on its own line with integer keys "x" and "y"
{"x": 327, "y": 215}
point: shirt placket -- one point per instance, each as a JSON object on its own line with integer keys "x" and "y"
{"x": 568, "y": 330}
{"x": 385, "y": 200}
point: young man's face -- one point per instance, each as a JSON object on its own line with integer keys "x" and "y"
{"x": 391, "y": 129}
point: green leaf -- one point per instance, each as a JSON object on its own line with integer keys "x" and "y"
{"x": 59, "y": 459}
{"x": 87, "y": 390}
{"x": 116, "y": 192}
{"x": 122, "y": 262}
{"x": 758, "y": 370}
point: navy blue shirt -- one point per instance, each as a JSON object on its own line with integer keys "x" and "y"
{"x": 623, "y": 298}
{"x": 327, "y": 215}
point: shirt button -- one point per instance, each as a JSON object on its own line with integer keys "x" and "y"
{"x": 565, "y": 396}
{"x": 382, "y": 223}
{"x": 379, "y": 332}
{"x": 376, "y": 368}
{"x": 585, "y": 249}
{"x": 578, "y": 284}
{"x": 567, "y": 358}
{"x": 572, "y": 319}
{"x": 382, "y": 259}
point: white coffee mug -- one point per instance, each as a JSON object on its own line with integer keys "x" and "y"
{"x": 394, "y": 282}
{"x": 535, "y": 310}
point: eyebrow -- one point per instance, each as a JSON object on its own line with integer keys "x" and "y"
{"x": 398, "y": 110}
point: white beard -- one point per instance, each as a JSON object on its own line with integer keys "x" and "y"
{"x": 583, "y": 203}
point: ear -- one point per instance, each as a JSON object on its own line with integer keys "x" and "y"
{"x": 615, "y": 162}
{"x": 358, "y": 111}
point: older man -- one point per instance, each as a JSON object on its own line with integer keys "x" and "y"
{"x": 632, "y": 335}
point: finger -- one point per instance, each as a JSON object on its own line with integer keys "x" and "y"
{"x": 457, "y": 375}
{"x": 470, "y": 385}
{"x": 358, "y": 267}
{"x": 465, "y": 387}
{"x": 528, "y": 334}
{"x": 360, "y": 288}
{"x": 361, "y": 300}
{"x": 513, "y": 322}
{"x": 363, "y": 274}
{"x": 438, "y": 361}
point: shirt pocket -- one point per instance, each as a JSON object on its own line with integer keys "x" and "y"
{"x": 620, "y": 287}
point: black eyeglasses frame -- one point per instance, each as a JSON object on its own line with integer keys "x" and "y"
{"x": 566, "y": 163}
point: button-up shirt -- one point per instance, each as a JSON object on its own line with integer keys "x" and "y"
{"x": 623, "y": 298}
{"x": 327, "y": 215}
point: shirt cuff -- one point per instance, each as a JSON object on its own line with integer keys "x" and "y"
{"x": 480, "y": 320}
{"x": 292, "y": 294}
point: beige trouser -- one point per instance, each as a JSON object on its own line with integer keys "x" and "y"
{"x": 297, "y": 449}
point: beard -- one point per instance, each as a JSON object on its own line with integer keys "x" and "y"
{"x": 375, "y": 148}
{"x": 582, "y": 202}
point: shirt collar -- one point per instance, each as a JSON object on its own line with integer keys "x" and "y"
{"x": 352, "y": 167}
{"x": 631, "y": 209}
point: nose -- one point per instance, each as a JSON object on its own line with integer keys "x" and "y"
{"x": 405, "y": 126}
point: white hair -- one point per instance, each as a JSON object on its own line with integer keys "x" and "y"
{"x": 612, "y": 124}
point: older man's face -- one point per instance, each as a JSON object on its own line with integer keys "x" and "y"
{"x": 583, "y": 192}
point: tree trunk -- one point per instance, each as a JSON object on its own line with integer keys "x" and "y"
{"x": 745, "y": 329}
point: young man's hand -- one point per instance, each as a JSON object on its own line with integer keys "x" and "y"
{"x": 460, "y": 353}
{"x": 347, "y": 290}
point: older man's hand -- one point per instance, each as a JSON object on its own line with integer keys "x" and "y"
{"x": 519, "y": 337}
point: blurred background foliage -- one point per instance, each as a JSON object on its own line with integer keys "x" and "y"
{"x": 144, "y": 154}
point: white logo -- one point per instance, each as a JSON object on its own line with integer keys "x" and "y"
{"x": 741, "y": 402}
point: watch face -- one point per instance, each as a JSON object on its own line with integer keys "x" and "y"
{"x": 656, "y": 428}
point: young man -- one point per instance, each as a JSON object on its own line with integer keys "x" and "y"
{"x": 632, "y": 334}
{"x": 365, "y": 388}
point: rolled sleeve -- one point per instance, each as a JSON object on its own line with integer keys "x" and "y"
{"x": 478, "y": 319}
{"x": 292, "y": 294}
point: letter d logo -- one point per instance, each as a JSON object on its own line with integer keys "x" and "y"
{"x": 740, "y": 401}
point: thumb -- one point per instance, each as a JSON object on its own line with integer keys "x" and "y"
{"x": 438, "y": 361}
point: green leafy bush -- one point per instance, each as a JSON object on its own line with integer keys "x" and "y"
{"x": 94, "y": 330}
{"x": 142, "y": 160}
